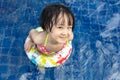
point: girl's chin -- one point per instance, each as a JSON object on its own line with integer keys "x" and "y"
{"x": 62, "y": 42}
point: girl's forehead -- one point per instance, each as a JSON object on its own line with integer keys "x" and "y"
{"x": 61, "y": 18}
{"x": 65, "y": 19}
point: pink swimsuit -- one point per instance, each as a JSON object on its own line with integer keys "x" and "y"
{"x": 44, "y": 50}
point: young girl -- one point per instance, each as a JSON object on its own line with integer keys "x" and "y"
{"x": 50, "y": 44}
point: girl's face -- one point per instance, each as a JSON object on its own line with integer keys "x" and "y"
{"x": 61, "y": 31}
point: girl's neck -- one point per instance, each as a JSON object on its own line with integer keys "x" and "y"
{"x": 52, "y": 41}
{"x": 52, "y": 44}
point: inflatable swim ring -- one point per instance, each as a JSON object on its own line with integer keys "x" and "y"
{"x": 54, "y": 60}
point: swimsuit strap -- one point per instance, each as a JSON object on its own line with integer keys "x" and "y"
{"x": 67, "y": 42}
{"x": 46, "y": 40}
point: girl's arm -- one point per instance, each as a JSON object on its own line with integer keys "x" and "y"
{"x": 28, "y": 44}
{"x": 31, "y": 40}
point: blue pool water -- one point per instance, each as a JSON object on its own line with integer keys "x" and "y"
{"x": 96, "y": 44}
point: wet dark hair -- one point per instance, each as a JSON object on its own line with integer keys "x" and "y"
{"x": 50, "y": 15}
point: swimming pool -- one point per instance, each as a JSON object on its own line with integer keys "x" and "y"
{"x": 96, "y": 44}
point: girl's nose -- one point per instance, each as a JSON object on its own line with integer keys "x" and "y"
{"x": 65, "y": 32}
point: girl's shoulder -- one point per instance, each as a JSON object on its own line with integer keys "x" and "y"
{"x": 37, "y": 35}
{"x": 40, "y": 38}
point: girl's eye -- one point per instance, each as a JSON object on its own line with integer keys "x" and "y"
{"x": 60, "y": 27}
{"x": 70, "y": 28}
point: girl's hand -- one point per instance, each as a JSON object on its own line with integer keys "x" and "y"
{"x": 28, "y": 44}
